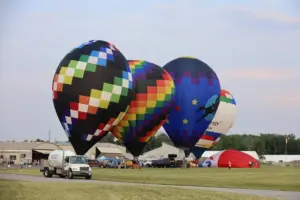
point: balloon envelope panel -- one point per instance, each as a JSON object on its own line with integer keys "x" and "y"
{"x": 197, "y": 94}
{"x": 154, "y": 90}
{"x": 220, "y": 125}
{"x": 92, "y": 89}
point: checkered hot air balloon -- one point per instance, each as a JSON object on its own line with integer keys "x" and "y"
{"x": 154, "y": 91}
{"x": 92, "y": 89}
{"x": 197, "y": 96}
{"x": 220, "y": 125}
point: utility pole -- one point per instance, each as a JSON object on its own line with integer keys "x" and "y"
{"x": 287, "y": 138}
{"x": 49, "y": 135}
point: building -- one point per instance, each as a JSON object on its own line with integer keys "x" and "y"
{"x": 280, "y": 158}
{"x": 163, "y": 152}
{"x": 25, "y": 151}
{"x": 33, "y": 151}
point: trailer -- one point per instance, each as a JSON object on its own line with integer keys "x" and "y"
{"x": 64, "y": 163}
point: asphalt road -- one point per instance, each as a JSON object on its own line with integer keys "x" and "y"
{"x": 283, "y": 195}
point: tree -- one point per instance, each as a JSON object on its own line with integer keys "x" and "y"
{"x": 265, "y": 143}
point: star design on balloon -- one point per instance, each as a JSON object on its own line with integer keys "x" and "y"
{"x": 194, "y": 102}
{"x": 185, "y": 121}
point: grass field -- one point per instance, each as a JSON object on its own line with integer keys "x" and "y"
{"x": 79, "y": 191}
{"x": 272, "y": 178}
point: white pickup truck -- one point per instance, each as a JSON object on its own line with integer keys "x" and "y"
{"x": 65, "y": 163}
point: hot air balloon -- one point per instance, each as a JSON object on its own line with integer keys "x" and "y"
{"x": 197, "y": 95}
{"x": 220, "y": 125}
{"x": 92, "y": 89}
{"x": 154, "y": 90}
{"x": 237, "y": 159}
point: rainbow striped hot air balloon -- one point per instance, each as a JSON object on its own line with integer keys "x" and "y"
{"x": 154, "y": 91}
{"x": 220, "y": 125}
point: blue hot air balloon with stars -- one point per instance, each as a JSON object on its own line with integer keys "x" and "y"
{"x": 197, "y": 97}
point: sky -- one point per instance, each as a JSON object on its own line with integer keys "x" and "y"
{"x": 253, "y": 46}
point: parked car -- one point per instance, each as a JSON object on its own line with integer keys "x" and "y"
{"x": 93, "y": 163}
{"x": 146, "y": 163}
{"x": 111, "y": 163}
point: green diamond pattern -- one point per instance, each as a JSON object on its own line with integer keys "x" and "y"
{"x": 115, "y": 98}
{"x": 118, "y": 81}
{"x": 84, "y": 58}
{"x": 73, "y": 64}
{"x": 107, "y": 87}
{"x": 90, "y": 67}
{"x": 79, "y": 73}
{"x": 124, "y": 91}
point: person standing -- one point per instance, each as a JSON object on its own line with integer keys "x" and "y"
{"x": 229, "y": 165}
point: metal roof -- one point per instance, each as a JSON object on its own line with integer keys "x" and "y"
{"x": 67, "y": 147}
{"x": 164, "y": 151}
{"x": 44, "y": 151}
{"x": 18, "y": 145}
{"x": 12, "y": 151}
{"x": 47, "y": 146}
{"x": 109, "y": 150}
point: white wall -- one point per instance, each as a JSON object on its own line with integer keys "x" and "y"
{"x": 284, "y": 158}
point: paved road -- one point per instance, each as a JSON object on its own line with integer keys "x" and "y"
{"x": 283, "y": 195}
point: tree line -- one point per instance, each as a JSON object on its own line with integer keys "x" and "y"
{"x": 263, "y": 144}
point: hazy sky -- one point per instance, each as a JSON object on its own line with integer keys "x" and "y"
{"x": 252, "y": 45}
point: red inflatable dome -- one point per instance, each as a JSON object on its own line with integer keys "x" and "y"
{"x": 237, "y": 159}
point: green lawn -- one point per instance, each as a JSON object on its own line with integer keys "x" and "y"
{"x": 273, "y": 178}
{"x": 81, "y": 191}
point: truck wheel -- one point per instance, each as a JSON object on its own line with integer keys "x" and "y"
{"x": 70, "y": 174}
{"x": 47, "y": 173}
{"x": 88, "y": 177}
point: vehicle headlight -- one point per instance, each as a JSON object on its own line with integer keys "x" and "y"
{"x": 75, "y": 169}
{"x": 90, "y": 169}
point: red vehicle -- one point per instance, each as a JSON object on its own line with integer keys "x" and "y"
{"x": 93, "y": 163}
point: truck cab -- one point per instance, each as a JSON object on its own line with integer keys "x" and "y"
{"x": 70, "y": 167}
{"x": 77, "y": 166}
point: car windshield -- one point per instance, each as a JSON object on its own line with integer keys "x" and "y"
{"x": 78, "y": 160}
